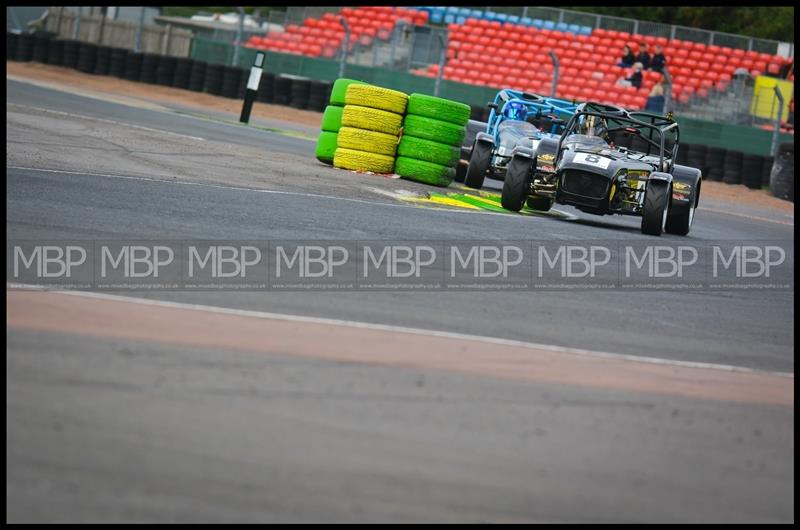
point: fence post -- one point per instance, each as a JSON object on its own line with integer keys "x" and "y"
{"x": 139, "y": 29}
{"x": 239, "y": 31}
{"x": 167, "y": 38}
{"x": 345, "y": 45}
{"x": 776, "y": 132}
{"x": 443, "y": 39}
{"x": 554, "y": 58}
{"x": 667, "y": 92}
{"x": 77, "y": 33}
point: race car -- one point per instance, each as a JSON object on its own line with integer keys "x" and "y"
{"x": 608, "y": 161}
{"x": 516, "y": 118}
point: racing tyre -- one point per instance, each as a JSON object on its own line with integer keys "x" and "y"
{"x": 478, "y": 165}
{"x": 332, "y": 118}
{"x": 679, "y": 219}
{"x": 516, "y": 185}
{"x": 340, "y": 89}
{"x": 542, "y": 204}
{"x": 435, "y": 130}
{"x": 376, "y": 97}
{"x": 428, "y": 151}
{"x": 326, "y": 147}
{"x": 362, "y": 161}
{"x": 372, "y": 119}
{"x": 425, "y": 172}
{"x": 370, "y": 141}
{"x": 461, "y": 171}
{"x": 439, "y": 108}
{"x": 656, "y": 206}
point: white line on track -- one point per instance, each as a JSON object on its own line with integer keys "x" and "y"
{"x": 397, "y": 329}
{"x": 103, "y": 120}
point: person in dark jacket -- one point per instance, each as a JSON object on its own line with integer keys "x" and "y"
{"x": 643, "y": 57}
{"x": 627, "y": 57}
{"x": 658, "y": 62}
{"x": 635, "y": 79}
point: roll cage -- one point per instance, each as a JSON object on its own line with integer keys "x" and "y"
{"x": 558, "y": 110}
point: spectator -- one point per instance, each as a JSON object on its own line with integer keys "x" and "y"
{"x": 627, "y": 57}
{"x": 643, "y": 56}
{"x": 635, "y": 79}
{"x": 658, "y": 62}
{"x": 655, "y": 102}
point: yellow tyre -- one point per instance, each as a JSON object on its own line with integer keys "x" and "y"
{"x": 371, "y": 119}
{"x": 369, "y": 141}
{"x": 362, "y": 161}
{"x": 376, "y": 97}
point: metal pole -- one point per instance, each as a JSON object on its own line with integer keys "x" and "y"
{"x": 524, "y": 11}
{"x": 252, "y": 87}
{"x": 345, "y": 45}
{"x": 776, "y": 132}
{"x": 103, "y": 11}
{"x": 554, "y": 58}
{"x": 667, "y": 92}
{"x": 139, "y": 29}
{"x": 239, "y": 31}
{"x": 76, "y": 34}
{"x": 442, "y": 56}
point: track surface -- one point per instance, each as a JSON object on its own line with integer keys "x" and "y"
{"x": 358, "y": 442}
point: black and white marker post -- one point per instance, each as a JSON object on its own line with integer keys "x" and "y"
{"x": 252, "y": 87}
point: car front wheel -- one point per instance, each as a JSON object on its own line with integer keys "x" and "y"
{"x": 656, "y": 206}
{"x": 478, "y": 165}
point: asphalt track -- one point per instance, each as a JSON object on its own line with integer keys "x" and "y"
{"x": 112, "y": 429}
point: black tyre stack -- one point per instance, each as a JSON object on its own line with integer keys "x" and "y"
{"x": 300, "y": 91}
{"x": 183, "y": 70}
{"x": 165, "y": 71}
{"x": 245, "y": 77}
{"x": 697, "y": 157}
{"x": 782, "y": 177}
{"x": 87, "y": 56}
{"x": 55, "y": 52}
{"x": 715, "y": 159}
{"x": 282, "y": 89}
{"x": 475, "y": 112}
{"x": 265, "y": 88}
{"x": 197, "y": 78}
{"x": 213, "y": 84}
{"x": 12, "y": 39}
{"x": 24, "y": 51}
{"x": 231, "y": 77}
{"x": 766, "y": 170}
{"x": 319, "y": 95}
{"x": 752, "y": 168}
{"x": 41, "y": 46}
{"x": 71, "y": 51}
{"x": 102, "y": 65}
{"x": 133, "y": 66}
{"x": 117, "y": 61}
{"x": 732, "y": 168}
{"x": 683, "y": 154}
{"x": 149, "y": 72}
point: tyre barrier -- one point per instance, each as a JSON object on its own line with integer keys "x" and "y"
{"x": 299, "y": 93}
{"x": 116, "y": 64}
{"x": 133, "y": 66}
{"x": 41, "y": 46}
{"x": 766, "y": 170}
{"x": 183, "y": 71}
{"x": 331, "y": 123}
{"x": 697, "y": 156}
{"x": 102, "y": 65}
{"x": 24, "y": 48}
{"x": 372, "y": 118}
{"x": 231, "y": 76}
{"x": 781, "y": 180}
{"x": 197, "y": 78}
{"x": 752, "y": 167}
{"x": 12, "y": 39}
{"x": 319, "y": 95}
{"x": 55, "y": 52}
{"x": 70, "y": 56}
{"x": 265, "y": 87}
{"x": 87, "y": 56}
{"x": 281, "y": 89}
{"x": 149, "y": 68}
{"x": 732, "y": 168}
{"x": 165, "y": 71}
{"x": 339, "y": 90}
{"x": 683, "y": 154}
{"x": 244, "y": 77}
{"x": 434, "y": 131}
{"x": 213, "y": 83}
{"x": 715, "y": 158}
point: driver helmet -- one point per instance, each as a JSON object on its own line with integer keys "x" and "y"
{"x": 515, "y": 110}
{"x": 594, "y": 126}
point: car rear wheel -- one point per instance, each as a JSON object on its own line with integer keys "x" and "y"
{"x": 679, "y": 219}
{"x": 656, "y": 203}
{"x": 516, "y": 185}
{"x": 478, "y": 165}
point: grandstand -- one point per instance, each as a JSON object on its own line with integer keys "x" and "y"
{"x": 499, "y": 50}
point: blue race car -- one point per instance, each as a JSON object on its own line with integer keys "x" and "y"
{"x": 516, "y": 119}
